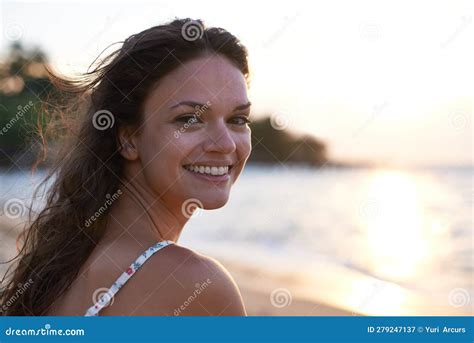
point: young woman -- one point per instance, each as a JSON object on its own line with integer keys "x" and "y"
{"x": 165, "y": 132}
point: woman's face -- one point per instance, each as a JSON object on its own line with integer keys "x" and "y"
{"x": 195, "y": 139}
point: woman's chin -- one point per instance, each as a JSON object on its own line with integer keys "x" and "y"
{"x": 214, "y": 206}
{"x": 214, "y": 203}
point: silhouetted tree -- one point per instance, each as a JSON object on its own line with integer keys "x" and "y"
{"x": 271, "y": 145}
{"x": 23, "y": 85}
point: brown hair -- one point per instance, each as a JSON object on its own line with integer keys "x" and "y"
{"x": 89, "y": 168}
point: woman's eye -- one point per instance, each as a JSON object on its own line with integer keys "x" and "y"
{"x": 240, "y": 120}
{"x": 190, "y": 119}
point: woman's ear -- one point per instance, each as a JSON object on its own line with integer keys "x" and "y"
{"x": 127, "y": 142}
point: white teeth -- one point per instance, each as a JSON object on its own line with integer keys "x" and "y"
{"x": 216, "y": 171}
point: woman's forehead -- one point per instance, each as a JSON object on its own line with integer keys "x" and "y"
{"x": 208, "y": 79}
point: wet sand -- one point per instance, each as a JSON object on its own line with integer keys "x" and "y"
{"x": 331, "y": 291}
{"x": 271, "y": 300}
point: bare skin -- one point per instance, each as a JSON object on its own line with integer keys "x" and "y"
{"x": 156, "y": 185}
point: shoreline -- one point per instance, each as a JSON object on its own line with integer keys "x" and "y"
{"x": 328, "y": 290}
{"x": 335, "y": 292}
{"x": 258, "y": 301}
{"x": 268, "y": 294}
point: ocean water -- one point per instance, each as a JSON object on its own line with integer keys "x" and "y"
{"x": 391, "y": 230}
{"x": 374, "y": 241}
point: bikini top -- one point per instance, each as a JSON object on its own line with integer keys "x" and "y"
{"x": 106, "y": 296}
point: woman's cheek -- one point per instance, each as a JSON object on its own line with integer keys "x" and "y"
{"x": 244, "y": 148}
{"x": 246, "y": 145}
{"x": 188, "y": 142}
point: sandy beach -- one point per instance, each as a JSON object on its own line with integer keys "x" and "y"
{"x": 333, "y": 292}
{"x": 330, "y": 291}
{"x": 256, "y": 285}
{"x": 264, "y": 296}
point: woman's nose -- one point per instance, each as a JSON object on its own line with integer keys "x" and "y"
{"x": 219, "y": 139}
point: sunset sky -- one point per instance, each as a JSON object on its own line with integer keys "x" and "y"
{"x": 383, "y": 81}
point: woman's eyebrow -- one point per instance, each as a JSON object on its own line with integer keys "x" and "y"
{"x": 187, "y": 103}
{"x": 193, "y": 104}
{"x": 243, "y": 107}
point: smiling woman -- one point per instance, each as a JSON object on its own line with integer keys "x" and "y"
{"x": 165, "y": 131}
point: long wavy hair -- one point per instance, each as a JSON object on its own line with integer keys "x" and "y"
{"x": 89, "y": 167}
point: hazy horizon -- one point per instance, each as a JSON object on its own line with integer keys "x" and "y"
{"x": 380, "y": 82}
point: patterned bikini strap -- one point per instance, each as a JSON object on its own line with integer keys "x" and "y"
{"x": 106, "y": 297}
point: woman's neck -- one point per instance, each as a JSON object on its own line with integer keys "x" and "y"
{"x": 144, "y": 216}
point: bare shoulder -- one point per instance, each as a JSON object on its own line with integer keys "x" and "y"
{"x": 207, "y": 286}
{"x": 179, "y": 281}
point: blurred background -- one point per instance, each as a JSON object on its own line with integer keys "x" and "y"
{"x": 358, "y": 196}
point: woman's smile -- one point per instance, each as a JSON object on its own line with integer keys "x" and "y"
{"x": 216, "y": 173}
